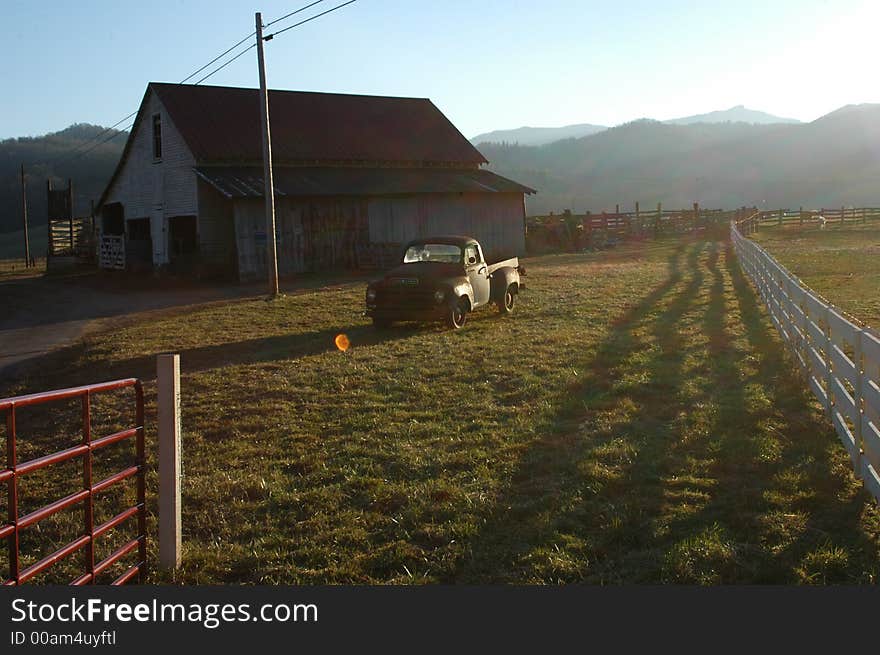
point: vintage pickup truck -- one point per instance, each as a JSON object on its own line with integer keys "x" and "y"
{"x": 443, "y": 278}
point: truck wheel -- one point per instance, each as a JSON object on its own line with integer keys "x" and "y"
{"x": 456, "y": 315}
{"x": 505, "y": 304}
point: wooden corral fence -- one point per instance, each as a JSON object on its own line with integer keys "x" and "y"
{"x": 71, "y": 237}
{"x": 808, "y": 217}
{"x": 839, "y": 357}
{"x": 590, "y": 231}
{"x": 71, "y": 240}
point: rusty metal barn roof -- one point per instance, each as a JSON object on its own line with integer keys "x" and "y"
{"x": 247, "y": 181}
{"x": 222, "y": 125}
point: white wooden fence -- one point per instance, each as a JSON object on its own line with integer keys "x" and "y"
{"x": 840, "y": 360}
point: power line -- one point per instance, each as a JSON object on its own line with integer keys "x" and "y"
{"x": 303, "y": 22}
{"x": 74, "y": 153}
{"x": 220, "y": 56}
{"x": 77, "y": 151}
{"x": 246, "y": 50}
{"x": 97, "y": 145}
{"x": 292, "y": 13}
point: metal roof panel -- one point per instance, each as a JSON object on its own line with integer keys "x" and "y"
{"x": 247, "y": 181}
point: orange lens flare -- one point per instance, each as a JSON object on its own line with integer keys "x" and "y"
{"x": 342, "y": 342}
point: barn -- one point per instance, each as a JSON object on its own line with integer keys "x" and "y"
{"x": 355, "y": 176}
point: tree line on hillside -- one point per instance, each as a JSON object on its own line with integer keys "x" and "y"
{"x": 831, "y": 162}
{"x": 72, "y": 153}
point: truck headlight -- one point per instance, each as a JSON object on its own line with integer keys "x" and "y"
{"x": 439, "y": 295}
{"x": 371, "y": 295}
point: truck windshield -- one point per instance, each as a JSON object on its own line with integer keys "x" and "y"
{"x": 432, "y": 252}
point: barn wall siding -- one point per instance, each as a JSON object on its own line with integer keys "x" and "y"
{"x": 216, "y": 225}
{"x": 494, "y": 219}
{"x": 312, "y": 234}
{"x": 315, "y": 234}
{"x": 156, "y": 190}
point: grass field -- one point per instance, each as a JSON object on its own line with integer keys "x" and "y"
{"x": 840, "y": 263}
{"x": 634, "y": 421}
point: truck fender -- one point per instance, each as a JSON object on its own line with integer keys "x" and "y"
{"x": 464, "y": 290}
{"x": 500, "y": 280}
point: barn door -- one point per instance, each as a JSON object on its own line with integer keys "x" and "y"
{"x": 290, "y": 240}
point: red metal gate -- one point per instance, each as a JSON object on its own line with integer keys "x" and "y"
{"x": 15, "y": 470}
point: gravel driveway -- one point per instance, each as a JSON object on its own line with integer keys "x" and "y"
{"x": 38, "y": 315}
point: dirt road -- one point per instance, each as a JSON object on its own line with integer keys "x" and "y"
{"x": 40, "y": 314}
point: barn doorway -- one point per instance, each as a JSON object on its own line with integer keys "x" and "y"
{"x": 183, "y": 243}
{"x": 111, "y": 252}
{"x": 138, "y": 244}
{"x": 112, "y": 219}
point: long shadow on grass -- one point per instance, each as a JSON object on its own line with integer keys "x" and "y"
{"x": 808, "y": 467}
{"x": 774, "y": 493}
{"x": 550, "y": 494}
{"x": 717, "y": 539}
{"x": 35, "y": 375}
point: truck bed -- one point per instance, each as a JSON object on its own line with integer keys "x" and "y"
{"x": 513, "y": 262}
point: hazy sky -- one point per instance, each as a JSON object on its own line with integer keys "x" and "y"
{"x": 488, "y": 64}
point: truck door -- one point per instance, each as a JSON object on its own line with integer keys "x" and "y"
{"x": 478, "y": 274}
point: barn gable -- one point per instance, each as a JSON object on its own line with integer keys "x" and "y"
{"x": 151, "y": 189}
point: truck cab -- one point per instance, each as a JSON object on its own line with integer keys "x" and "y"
{"x": 442, "y": 278}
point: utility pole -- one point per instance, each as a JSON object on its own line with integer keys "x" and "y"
{"x": 269, "y": 192}
{"x": 27, "y": 245}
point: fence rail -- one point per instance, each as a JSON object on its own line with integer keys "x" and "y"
{"x": 809, "y": 217}
{"x": 15, "y": 470}
{"x": 839, "y": 358}
{"x": 568, "y": 231}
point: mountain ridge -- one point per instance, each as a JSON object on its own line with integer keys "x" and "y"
{"x": 829, "y": 162}
{"x": 536, "y": 136}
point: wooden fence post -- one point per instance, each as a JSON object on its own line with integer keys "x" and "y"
{"x": 168, "y": 406}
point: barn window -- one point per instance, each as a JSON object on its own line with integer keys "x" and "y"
{"x": 157, "y": 136}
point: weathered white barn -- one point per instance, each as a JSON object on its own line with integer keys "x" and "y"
{"x": 355, "y": 177}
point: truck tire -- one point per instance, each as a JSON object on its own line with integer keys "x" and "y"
{"x": 507, "y": 302}
{"x": 456, "y": 314}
